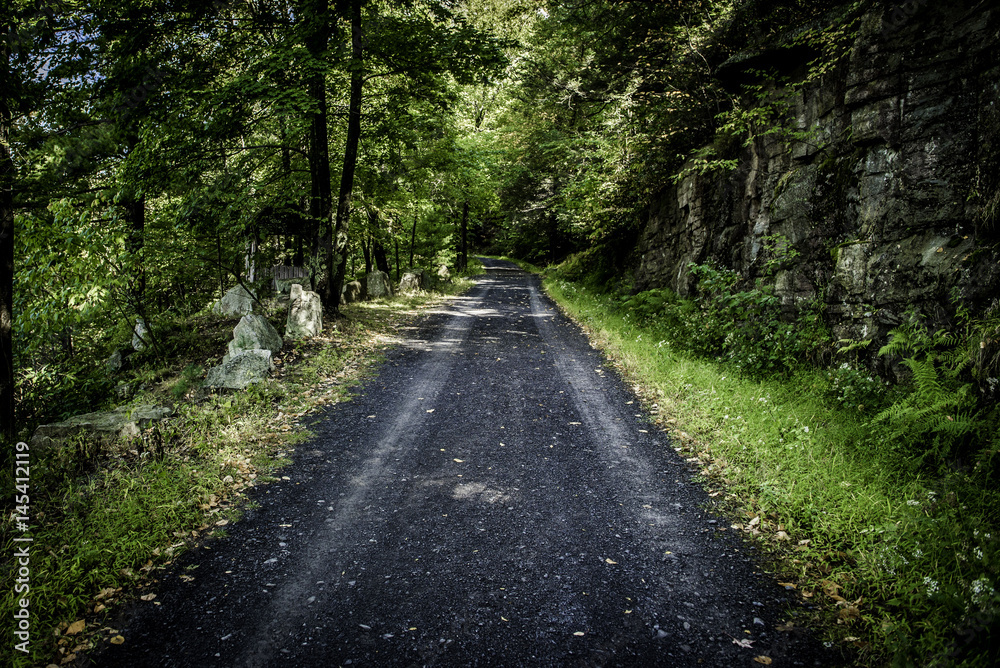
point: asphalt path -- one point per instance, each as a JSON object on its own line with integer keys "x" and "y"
{"x": 494, "y": 496}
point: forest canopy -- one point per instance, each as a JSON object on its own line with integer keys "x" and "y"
{"x": 157, "y": 153}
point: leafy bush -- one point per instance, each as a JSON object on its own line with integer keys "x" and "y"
{"x": 856, "y": 389}
{"x": 745, "y": 327}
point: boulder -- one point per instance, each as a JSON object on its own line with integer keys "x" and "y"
{"x": 412, "y": 282}
{"x": 443, "y": 274}
{"x": 237, "y": 302}
{"x": 105, "y": 426}
{"x": 140, "y": 334}
{"x": 254, "y": 332}
{"x": 378, "y": 285}
{"x": 351, "y": 292}
{"x": 305, "y": 314}
{"x": 116, "y": 362}
{"x": 240, "y": 370}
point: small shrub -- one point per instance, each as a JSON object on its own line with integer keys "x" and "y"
{"x": 856, "y": 389}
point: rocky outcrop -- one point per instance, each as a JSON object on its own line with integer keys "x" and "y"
{"x": 106, "y": 426}
{"x": 240, "y": 370}
{"x": 889, "y": 200}
{"x": 305, "y": 314}
{"x": 237, "y": 302}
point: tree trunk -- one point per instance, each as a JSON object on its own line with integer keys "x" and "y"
{"x": 378, "y": 250}
{"x": 340, "y": 232}
{"x": 381, "y": 257}
{"x": 135, "y": 220}
{"x": 368, "y": 256}
{"x": 316, "y": 19}
{"x": 8, "y": 430}
{"x": 413, "y": 236}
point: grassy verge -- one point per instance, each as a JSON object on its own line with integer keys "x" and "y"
{"x": 104, "y": 521}
{"x": 904, "y": 567}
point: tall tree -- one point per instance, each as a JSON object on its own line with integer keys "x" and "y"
{"x": 7, "y": 424}
{"x": 336, "y": 252}
{"x": 316, "y": 26}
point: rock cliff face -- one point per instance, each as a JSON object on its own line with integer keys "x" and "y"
{"x": 891, "y": 204}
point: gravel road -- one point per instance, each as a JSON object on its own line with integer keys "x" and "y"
{"x": 493, "y": 497}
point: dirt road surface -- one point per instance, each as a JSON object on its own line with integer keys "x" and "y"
{"x": 493, "y": 497}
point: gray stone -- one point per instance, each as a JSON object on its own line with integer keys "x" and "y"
{"x": 443, "y": 274}
{"x": 115, "y": 363}
{"x": 140, "y": 335}
{"x": 352, "y": 292}
{"x": 236, "y": 302}
{"x": 378, "y": 285}
{"x": 254, "y": 332}
{"x": 412, "y": 282}
{"x": 240, "y": 370}
{"x": 104, "y": 426}
{"x": 305, "y": 314}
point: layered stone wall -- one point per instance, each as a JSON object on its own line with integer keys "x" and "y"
{"x": 890, "y": 205}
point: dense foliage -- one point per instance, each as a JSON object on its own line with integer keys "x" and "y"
{"x": 162, "y": 152}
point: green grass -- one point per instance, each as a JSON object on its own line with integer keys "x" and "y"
{"x": 904, "y": 567}
{"x": 106, "y": 519}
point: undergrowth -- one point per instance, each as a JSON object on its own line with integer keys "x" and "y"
{"x": 106, "y": 518}
{"x": 880, "y": 502}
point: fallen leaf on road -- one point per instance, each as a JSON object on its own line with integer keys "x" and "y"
{"x": 458, "y": 460}
{"x": 75, "y": 627}
{"x": 579, "y": 633}
{"x": 745, "y": 643}
{"x": 430, "y": 410}
{"x": 147, "y": 597}
{"x": 117, "y": 640}
{"x": 766, "y": 660}
{"x": 609, "y": 561}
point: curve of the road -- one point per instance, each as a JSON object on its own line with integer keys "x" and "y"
{"x": 493, "y": 497}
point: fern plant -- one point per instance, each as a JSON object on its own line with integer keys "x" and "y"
{"x": 938, "y": 420}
